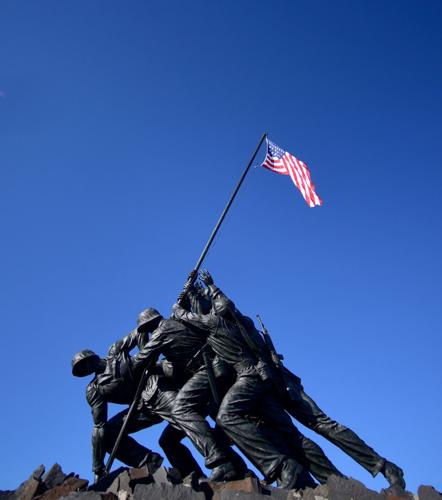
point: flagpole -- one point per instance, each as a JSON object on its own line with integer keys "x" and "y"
{"x": 182, "y": 295}
{"x": 229, "y": 203}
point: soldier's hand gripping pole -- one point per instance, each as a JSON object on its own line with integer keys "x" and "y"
{"x": 193, "y": 275}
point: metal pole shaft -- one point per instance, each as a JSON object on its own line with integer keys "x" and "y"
{"x": 122, "y": 432}
{"x": 229, "y": 203}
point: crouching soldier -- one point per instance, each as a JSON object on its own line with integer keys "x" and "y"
{"x": 116, "y": 380}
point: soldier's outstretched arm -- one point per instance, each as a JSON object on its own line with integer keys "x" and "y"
{"x": 127, "y": 343}
{"x": 213, "y": 290}
{"x": 148, "y": 354}
{"x": 99, "y": 416}
{"x": 204, "y": 321}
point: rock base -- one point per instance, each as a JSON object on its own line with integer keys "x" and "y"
{"x": 139, "y": 484}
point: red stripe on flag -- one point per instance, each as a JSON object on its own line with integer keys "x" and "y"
{"x": 310, "y": 199}
{"x": 296, "y": 169}
{"x": 301, "y": 181}
{"x": 294, "y": 176}
{"x": 306, "y": 171}
{"x": 276, "y": 166}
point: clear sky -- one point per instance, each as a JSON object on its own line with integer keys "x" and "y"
{"x": 123, "y": 129}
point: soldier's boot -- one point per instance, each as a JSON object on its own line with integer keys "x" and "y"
{"x": 153, "y": 461}
{"x": 239, "y": 465}
{"x": 393, "y": 474}
{"x": 290, "y": 476}
{"x": 223, "y": 472}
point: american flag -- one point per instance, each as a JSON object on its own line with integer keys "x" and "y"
{"x": 279, "y": 161}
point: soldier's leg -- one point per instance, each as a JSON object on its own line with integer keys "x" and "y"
{"x": 236, "y": 460}
{"x": 239, "y": 402}
{"x": 130, "y": 452}
{"x": 309, "y": 414}
{"x": 178, "y": 455}
{"x": 176, "y": 452}
{"x": 279, "y": 428}
{"x": 189, "y": 411}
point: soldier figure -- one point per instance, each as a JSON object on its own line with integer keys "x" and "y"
{"x": 302, "y": 407}
{"x": 247, "y": 393}
{"x": 180, "y": 347}
{"x": 116, "y": 380}
{"x": 206, "y": 343}
{"x": 270, "y": 417}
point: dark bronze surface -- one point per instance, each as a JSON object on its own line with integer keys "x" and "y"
{"x": 208, "y": 359}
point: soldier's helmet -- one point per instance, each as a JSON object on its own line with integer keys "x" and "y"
{"x": 147, "y": 316}
{"x": 222, "y": 307}
{"x": 81, "y": 363}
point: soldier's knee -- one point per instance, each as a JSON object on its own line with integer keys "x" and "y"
{"x": 110, "y": 432}
{"x": 178, "y": 407}
{"x": 110, "y": 435}
{"x": 220, "y": 420}
{"x": 224, "y": 417}
{"x": 165, "y": 442}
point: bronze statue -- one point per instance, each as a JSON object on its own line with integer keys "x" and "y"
{"x": 248, "y": 391}
{"x": 243, "y": 338}
{"x": 181, "y": 346}
{"x": 214, "y": 362}
{"x": 115, "y": 381}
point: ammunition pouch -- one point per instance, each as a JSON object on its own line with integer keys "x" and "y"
{"x": 220, "y": 368}
{"x": 291, "y": 383}
{"x": 263, "y": 370}
{"x": 246, "y": 367}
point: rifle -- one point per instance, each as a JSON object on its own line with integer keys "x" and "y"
{"x": 276, "y": 358}
{"x": 291, "y": 382}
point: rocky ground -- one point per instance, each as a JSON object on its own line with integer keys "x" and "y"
{"x": 137, "y": 484}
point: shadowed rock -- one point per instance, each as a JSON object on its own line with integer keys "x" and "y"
{"x": 7, "y": 495}
{"x": 121, "y": 483}
{"x": 54, "y": 477}
{"x": 28, "y": 489}
{"x": 164, "y": 475}
{"x": 90, "y": 495}
{"x": 338, "y": 488}
{"x": 139, "y": 484}
{"x": 162, "y": 491}
{"x": 428, "y": 493}
{"x": 69, "y": 485}
{"x": 248, "y": 485}
{"x": 140, "y": 476}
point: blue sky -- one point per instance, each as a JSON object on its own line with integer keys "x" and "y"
{"x": 123, "y": 129}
